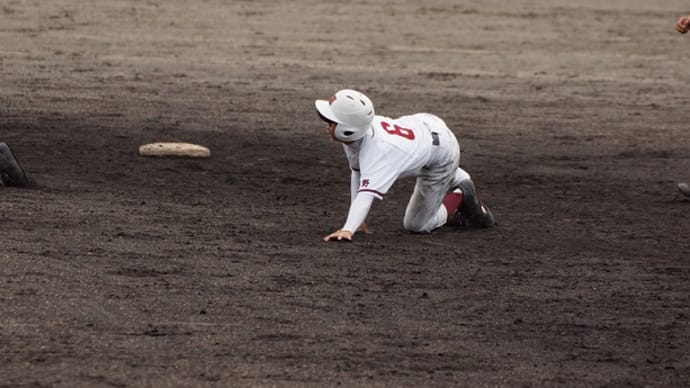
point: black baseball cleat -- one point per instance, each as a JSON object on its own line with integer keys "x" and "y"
{"x": 473, "y": 212}
{"x": 11, "y": 173}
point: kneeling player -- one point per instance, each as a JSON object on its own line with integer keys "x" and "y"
{"x": 381, "y": 149}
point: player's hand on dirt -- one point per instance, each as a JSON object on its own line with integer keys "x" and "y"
{"x": 683, "y": 24}
{"x": 340, "y": 235}
{"x": 364, "y": 229}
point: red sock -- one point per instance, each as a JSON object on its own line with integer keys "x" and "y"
{"x": 452, "y": 201}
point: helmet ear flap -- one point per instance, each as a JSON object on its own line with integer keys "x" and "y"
{"x": 349, "y": 133}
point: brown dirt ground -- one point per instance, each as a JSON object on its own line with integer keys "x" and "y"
{"x": 116, "y": 270}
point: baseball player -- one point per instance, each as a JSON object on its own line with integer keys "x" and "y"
{"x": 682, "y": 26}
{"x": 11, "y": 173}
{"x": 381, "y": 149}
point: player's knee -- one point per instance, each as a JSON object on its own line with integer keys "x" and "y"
{"x": 414, "y": 227}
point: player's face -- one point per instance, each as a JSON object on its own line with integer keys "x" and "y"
{"x": 330, "y": 127}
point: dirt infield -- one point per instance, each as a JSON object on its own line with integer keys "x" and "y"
{"x": 118, "y": 270}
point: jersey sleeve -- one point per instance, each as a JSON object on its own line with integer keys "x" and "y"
{"x": 354, "y": 184}
{"x": 378, "y": 173}
{"x": 359, "y": 209}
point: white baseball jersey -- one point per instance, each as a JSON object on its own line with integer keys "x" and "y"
{"x": 419, "y": 145}
{"x": 397, "y": 148}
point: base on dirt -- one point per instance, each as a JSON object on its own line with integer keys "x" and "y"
{"x": 183, "y": 150}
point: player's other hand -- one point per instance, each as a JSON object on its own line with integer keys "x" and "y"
{"x": 683, "y": 24}
{"x": 364, "y": 229}
{"x": 340, "y": 235}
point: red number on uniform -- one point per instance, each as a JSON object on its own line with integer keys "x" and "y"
{"x": 407, "y": 133}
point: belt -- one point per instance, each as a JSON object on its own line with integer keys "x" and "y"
{"x": 434, "y": 135}
{"x": 435, "y": 141}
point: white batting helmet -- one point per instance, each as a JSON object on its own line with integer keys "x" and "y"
{"x": 351, "y": 110}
